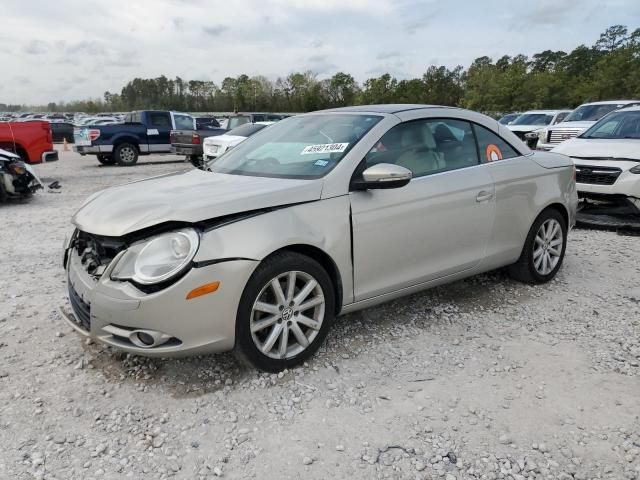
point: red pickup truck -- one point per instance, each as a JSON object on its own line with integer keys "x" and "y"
{"x": 31, "y": 140}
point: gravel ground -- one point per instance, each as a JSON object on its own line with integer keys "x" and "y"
{"x": 482, "y": 379}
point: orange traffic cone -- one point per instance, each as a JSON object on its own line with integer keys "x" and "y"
{"x": 65, "y": 147}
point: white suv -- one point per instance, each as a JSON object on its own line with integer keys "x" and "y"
{"x": 607, "y": 159}
{"x": 580, "y": 120}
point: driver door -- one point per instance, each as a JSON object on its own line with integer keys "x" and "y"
{"x": 437, "y": 225}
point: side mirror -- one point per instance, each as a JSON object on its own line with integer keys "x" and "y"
{"x": 383, "y": 175}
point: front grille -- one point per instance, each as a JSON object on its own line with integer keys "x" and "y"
{"x": 597, "y": 175}
{"x": 559, "y": 136}
{"x": 96, "y": 252}
{"x": 81, "y": 309}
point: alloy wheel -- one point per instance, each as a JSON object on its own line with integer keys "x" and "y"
{"x": 547, "y": 247}
{"x": 287, "y": 315}
{"x": 127, "y": 154}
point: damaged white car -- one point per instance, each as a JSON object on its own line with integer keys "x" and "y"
{"x": 607, "y": 159}
{"x": 17, "y": 179}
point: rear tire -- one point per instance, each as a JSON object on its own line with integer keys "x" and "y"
{"x": 297, "y": 331}
{"x": 196, "y": 160}
{"x": 543, "y": 251}
{"x": 126, "y": 154}
{"x": 3, "y": 191}
{"x": 106, "y": 159}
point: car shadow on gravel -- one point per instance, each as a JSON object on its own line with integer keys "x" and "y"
{"x": 201, "y": 375}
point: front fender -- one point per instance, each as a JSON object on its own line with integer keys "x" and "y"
{"x": 323, "y": 224}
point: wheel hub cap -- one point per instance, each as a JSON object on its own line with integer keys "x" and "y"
{"x": 547, "y": 247}
{"x": 287, "y": 315}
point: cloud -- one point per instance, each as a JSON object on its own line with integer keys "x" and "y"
{"x": 178, "y": 23}
{"x": 36, "y": 47}
{"x": 547, "y": 13}
{"x": 388, "y": 55}
{"x": 215, "y": 30}
{"x": 88, "y": 48}
{"x": 113, "y": 42}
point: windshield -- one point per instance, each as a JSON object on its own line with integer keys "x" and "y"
{"x": 234, "y": 122}
{"x": 591, "y": 113}
{"x": 533, "y": 119}
{"x": 299, "y": 147}
{"x": 616, "y": 125}
{"x": 508, "y": 118}
{"x": 246, "y": 130}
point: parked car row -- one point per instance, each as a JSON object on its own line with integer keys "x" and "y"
{"x": 545, "y": 129}
{"x": 603, "y": 140}
{"x": 191, "y": 143}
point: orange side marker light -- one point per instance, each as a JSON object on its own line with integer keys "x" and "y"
{"x": 203, "y": 290}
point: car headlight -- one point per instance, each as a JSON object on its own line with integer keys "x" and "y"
{"x": 635, "y": 169}
{"x": 159, "y": 258}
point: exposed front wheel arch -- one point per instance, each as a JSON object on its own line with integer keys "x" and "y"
{"x": 285, "y": 312}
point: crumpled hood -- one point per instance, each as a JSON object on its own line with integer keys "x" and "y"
{"x": 186, "y": 197}
{"x": 600, "y": 148}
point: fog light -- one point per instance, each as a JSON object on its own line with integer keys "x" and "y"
{"x": 145, "y": 338}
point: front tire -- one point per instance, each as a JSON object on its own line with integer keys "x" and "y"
{"x": 285, "y": 312}
{"x": 4, "y": 196}
{"x": 544, "y": 249}
{"x": 126, "y": 154}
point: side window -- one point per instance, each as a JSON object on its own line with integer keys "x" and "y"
{"x": 427, "y": 146}
{"x": 492, "y": 147}
{"x": 160, "y": 119}
{"x": 183, "y": 122}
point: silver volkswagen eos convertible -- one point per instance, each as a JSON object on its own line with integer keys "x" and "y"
{"x": 318, "y": 215}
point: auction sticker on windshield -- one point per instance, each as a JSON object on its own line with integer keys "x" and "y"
{"x": 324, "y": 148}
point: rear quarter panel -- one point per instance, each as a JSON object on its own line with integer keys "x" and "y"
{"x": 111, "y": 134}
{"x": 524, "y": 188}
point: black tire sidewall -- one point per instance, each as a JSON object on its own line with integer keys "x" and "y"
{"x": 270, "y": 268}
{"x": 106, "y": 159}
{"x": 546, "y": 215}
{"x": 196, "y": 161}
{"x": 4, "y": 196}
{"x": 118, "y": 149}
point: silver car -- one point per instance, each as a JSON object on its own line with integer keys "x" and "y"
{"x": 318, "y": 215}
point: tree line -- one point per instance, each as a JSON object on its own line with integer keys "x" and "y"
{"x": 608, "y": 69}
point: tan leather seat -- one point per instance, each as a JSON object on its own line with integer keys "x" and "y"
{"x": 421, "y": 156}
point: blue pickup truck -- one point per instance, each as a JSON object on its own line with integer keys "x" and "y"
{"x": 142, "y": 133}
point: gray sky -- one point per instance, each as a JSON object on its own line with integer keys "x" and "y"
{"x": 71, "y": 49}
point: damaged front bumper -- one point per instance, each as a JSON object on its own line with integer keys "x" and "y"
{"x": 160, "y": 324}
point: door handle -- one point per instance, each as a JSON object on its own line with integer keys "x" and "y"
{"x": 483, "y": 196}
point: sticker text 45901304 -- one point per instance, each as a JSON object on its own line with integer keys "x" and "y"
{"x": 324, "y": 148}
